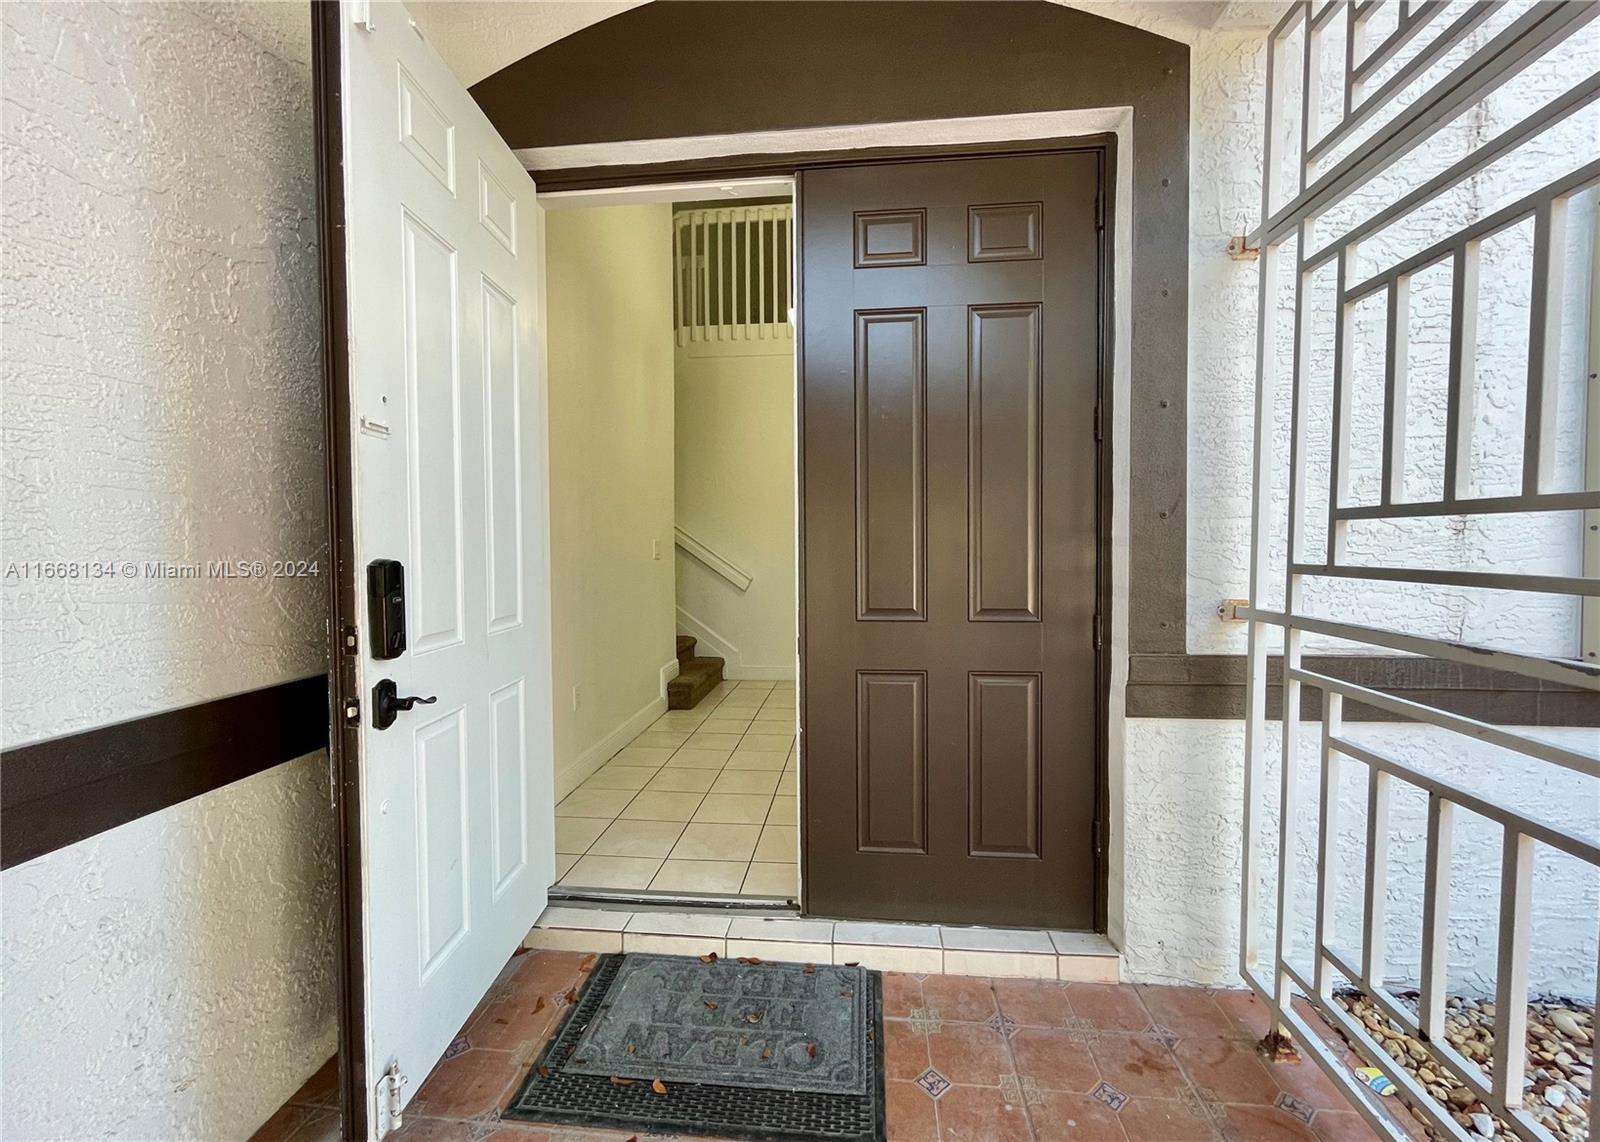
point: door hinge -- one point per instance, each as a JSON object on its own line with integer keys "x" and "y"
{"x": 361, "y": 14}
{"x": 1095, "y": 834}
{"x": 1099, "y": 430}
{"x": 389, "y": 1087}
{"x": 1098, "y": 638}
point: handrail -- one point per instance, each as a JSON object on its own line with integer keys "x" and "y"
{"x": 723, "y": 566}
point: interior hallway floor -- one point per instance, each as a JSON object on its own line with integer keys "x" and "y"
{"x": 966, "y": 1060}
{"x": 704, "y": 802}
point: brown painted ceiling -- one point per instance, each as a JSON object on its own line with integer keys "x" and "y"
{"x": 671, "y": 69}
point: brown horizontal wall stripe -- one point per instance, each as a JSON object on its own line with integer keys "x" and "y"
{"x": 1213, "y": 686}
{"x": 57, "y": 792}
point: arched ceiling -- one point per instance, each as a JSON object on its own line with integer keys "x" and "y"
{"x": 479, "y": 37}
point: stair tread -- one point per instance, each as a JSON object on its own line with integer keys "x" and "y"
{"x": 697, "y": 677}
{"x": 686, "y": 644}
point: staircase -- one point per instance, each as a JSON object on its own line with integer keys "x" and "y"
{"x": 696, "y": 678}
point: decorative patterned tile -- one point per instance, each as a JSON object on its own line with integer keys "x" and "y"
{"x": 926, "y": 1020}
{"x": 1020, "y": 1090}
{"x": 462, "y": 1045}
{"x": 1161, "y": 1034}
{"x": 1081, "y": 1030}
{"x": 1289, "y": 1104}
{"x": 1003, "y": 1025}
{"x": 1110, "y": 1095}
{"x": 933, "y": 1082}
{"x": 1200, "y": 1106}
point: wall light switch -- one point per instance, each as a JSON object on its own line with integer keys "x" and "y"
{"x": 655, "y": 549}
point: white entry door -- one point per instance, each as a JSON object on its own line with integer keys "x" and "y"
{"x": 448, "y": 477}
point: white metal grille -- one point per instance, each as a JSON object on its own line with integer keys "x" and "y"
{"x": 733, "y": 274}
{"x": 1395, "y": 186}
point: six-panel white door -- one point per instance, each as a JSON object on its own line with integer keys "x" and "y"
{"x": 448, "y": 405}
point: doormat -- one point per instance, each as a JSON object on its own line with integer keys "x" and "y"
{"x": 775, "y": 1052}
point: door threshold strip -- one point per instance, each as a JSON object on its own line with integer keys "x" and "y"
{"x": 645, "y": 900}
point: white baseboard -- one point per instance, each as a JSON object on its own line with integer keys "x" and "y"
{"x": 669, "y": 671}
{"x": 580, "y": 768}
{"x": 734, "y": 667}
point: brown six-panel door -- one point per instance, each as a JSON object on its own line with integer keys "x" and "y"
{"x": 950, "y": 378}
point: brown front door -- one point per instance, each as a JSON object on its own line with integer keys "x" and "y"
{"x": 950, "y": 376}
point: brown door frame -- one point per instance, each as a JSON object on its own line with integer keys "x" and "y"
{"x": 790, "y": 165}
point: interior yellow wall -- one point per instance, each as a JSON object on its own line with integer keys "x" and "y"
{"x": 611, "y": 427}
{"x": 735, "y": 489}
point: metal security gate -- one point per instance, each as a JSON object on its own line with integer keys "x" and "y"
{"x": 1427, "y": 447}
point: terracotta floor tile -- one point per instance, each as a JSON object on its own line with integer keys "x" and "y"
{"x": 901, "y": 993}
{"x": 976, "y": 1056}
{"x": 1054, "y": 1060}
{"x": 905, "y": 1050}
{"x": 322, "y": 1088}
{"x": 959, "y": 998}
{"x": 1226, "y": 1070}
{"x": 1246, "y": 1012}
{"x": 1186, "y": 1011}
{"x": 519, "y": 1016}
{"x": 1058, "y": 1117}
{"x": 1137, "y": 1065}
{"x": 1034, "y": 1002}
{"x": 473, "y": 1082}
{"x": 1165, "y": 1120}
{"x": 909, "y": 1113}
{"x": 1263, "y": 1124}
{"x": 1109, "y": 1006}
{"x": 437, "y": 1130}
{"x": 1306, "y": 1082}
{"x": 981, "y": 1114}
{"x": 1342, "y": 1126}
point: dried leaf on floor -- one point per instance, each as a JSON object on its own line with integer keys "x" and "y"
{"x": 658, "y": 1086}
{"x": 617, "y": 1080}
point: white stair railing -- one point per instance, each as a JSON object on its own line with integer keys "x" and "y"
{"x": 733, "y": 274}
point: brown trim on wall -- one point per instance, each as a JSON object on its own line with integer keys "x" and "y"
{"x": 1212, "y": 686}
{"x": 57, "y": 792}
{"x": 661, "y": 71}
{"x": 344, "y": 737}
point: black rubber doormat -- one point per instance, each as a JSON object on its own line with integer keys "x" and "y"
{"x": 773, "y": 1052}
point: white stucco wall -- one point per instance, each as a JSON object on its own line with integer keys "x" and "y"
{"x": 173, "y": 977}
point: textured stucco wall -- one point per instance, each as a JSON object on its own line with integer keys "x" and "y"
{"x": 173, "y": 977}
{"x": 1185, "y": 820}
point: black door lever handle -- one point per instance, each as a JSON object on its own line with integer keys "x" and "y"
{"x": 386, "y": 703}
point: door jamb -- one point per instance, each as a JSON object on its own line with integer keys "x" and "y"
{"x": 344, "y": 757}
{"x": 642, "y": 180}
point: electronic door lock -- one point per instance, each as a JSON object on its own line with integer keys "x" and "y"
{"x": 387, "y": 704}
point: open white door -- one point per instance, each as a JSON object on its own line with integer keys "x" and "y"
{"x": 447, "y": 475}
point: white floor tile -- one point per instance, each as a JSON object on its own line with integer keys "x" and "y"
{"x": 652, "y": 756}
{"x": 689, "y": 758}
{"x": 922, "y": 961}
{"x": 654, "y": 805}
{"x": 1089, "y": 969}
{"x": 894, "y": 935}
{"x": 1016, "y": 965}
{"x": 1082, "y": 944}
{"x": 574, "y": 835}
{"x": 704, "y": 740}
{"x": 565, "y": 861}
{"x": 619, "y": 776}
{"x": 638, "y": 839}
{"x": 679, "y": 923}
{"x": 764, "y": 762}
{"x": 746, "y": 781}
{"x": 772, "y": 880}
{"x": 783, "y": 930}
{"x": 734, "y": 808}
{"x": 673, "y": 780}
{"x": 612, "y": 872}
{"x": 594, "y": 803}
{"x": 784, "y": 811}
{"x": 996, "y": 940}
{"x": 573, "y": 940}
{"x": 707, "y": 841}
{"x": 598, "y": 919}
{"x": 661, "y": 739}
{"x": 779, "y": 843}
{"x": 778, "y": 951}
{"x": 644, "y": 942}
{"x": 700, "y": 876}
{"x": 765, "y": 743}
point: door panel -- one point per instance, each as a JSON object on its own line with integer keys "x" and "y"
{"x": 446, "y": 456}
{"x": 950, "y": 380}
